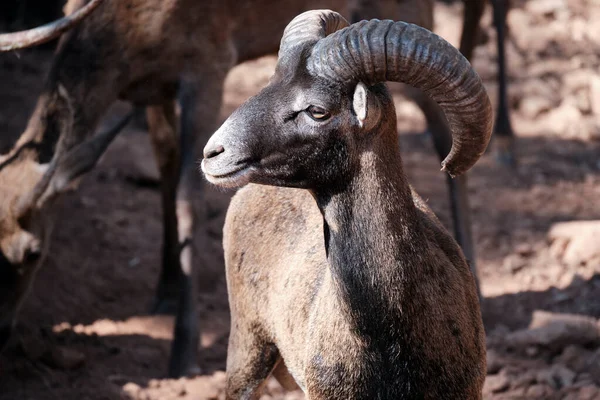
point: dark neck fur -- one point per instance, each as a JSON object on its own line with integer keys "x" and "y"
{"x": 371, "y": 229}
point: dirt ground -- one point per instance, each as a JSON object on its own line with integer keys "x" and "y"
{"x": 84, "y": 332}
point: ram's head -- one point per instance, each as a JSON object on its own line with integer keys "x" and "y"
{"x": 326, "y": 101}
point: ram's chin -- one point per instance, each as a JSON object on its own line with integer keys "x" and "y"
{"x": 231, "y": 180}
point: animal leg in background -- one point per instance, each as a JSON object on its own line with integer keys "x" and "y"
{"x": 503, "y": 132}
{"x": 470, "y": 32}
{"x": 162, "y": 126}
{"x": 199, "y": 118}
{"x": 176, "y": 289}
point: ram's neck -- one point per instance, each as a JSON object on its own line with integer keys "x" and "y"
{"x": 372, "y": 234}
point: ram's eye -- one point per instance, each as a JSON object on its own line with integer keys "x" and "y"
{"x": 317, "y": 113}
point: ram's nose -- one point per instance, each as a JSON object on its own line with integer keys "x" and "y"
{"x": 211, "y": 151}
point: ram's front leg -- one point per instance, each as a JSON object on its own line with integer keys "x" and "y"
{"x": 250, "y": 360}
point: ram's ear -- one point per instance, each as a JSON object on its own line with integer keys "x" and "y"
{"x": 365, "y": 106}
{"x": 360, "y": 103}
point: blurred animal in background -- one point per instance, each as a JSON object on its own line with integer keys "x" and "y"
{"x": 154, "y": 53}
{"x": 362, "y": 293}
{"x": 21, "y": 243}
{"x": 503, "y": 133}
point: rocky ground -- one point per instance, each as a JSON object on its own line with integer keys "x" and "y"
{"x": 84, "y": 332}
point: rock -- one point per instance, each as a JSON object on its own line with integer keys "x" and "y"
{"x": 514, "y": 58}
{"x": 565, "y": 120}
{"x": 539, "y": 392}
{"x": 516, "y": 18}
{"x": 578, "y": 239}
{"x": 547, "y": 89}
{"x": 525, "y": 379}
{"x": 532, "y": 351}
{"x": 577, "y": 80}
{"x": 541, "y": 319}
{"x": 547, "y": 73}
{"x": 181, "y": 391}
{"x": 555, "y": 331}
{"x": 64, "y": 358}
{"x": 514, "y": 263}
{"x": 555, "y": 35}
{"x": 494, "y": 362}
{"x": 558, "y": 376}
{"x": 590, "y": 392}
{"x": 594, "y": 366}
{"x": 154, "y": 383}
{"x": 581, "y": 100}
{"x": 594, "y": 130}
{"x": 584, "y": 379}
{"x": 569, "y": 394}
{"x": 595, "y": 94}
{"x": 545, "y": 7}
{"x": 575, "y": 358}
{"x": 558, "y": 247}
{"x": 539, "y": 41}
{"x": 511, "y": 394}
{"x": 533, "y": 106}
{"x": 496, "y": 383}
{"x": 132, "y": 389}
{"x": 524, "y": 249}
{"x": 500, "y": 330}
{"x": 593, "y": 32}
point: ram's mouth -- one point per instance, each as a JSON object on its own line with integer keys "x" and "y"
{"x": 233, "y": 178}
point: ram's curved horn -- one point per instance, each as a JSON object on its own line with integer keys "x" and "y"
{"x": 378, "y": 51}
{"x": 309, "y": 27}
